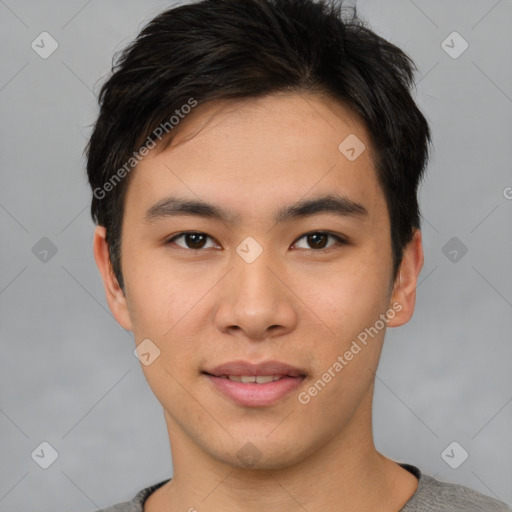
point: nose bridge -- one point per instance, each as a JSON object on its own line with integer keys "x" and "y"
{"x": 255, "y": 299}
{"x": 253, "y": 278}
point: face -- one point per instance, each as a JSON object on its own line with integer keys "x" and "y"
{"x": 290, "y": 261}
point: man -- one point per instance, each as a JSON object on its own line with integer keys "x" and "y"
{"x": 254, "y": 170}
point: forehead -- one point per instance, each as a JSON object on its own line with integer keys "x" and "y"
{"x": 255, "y": 153}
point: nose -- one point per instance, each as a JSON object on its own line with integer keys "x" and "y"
{"x": 255, "y": 301}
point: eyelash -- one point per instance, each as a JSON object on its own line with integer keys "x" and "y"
{"x": 339, "y": 239}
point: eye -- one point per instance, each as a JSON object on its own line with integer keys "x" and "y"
{"x": 193, "y": 240}
{"x": 318, "y": 240}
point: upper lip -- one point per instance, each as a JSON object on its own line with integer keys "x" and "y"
{"x": 246, "y": 368}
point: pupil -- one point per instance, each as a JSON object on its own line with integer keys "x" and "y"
{"x": 314, "y": 241}
{"x": 193, "y": 240}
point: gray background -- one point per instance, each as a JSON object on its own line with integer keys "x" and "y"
{"x": 67, "y": 372}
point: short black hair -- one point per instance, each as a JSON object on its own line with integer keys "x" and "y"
{"x": 234, "y": 49}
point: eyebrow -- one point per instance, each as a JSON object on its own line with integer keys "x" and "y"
{"x": 331, "y": 203}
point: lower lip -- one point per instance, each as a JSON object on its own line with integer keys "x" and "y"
{"x": 253, "y": 394}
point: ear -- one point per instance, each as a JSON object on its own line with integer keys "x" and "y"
{"x": 115, "y": 297}
{"x": 404, "y": 289}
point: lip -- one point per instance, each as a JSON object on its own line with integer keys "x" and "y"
{"x": 253, "y": 394}
{"x": 265, "y": 368}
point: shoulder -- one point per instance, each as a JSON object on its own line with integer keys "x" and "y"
{"x": 137, "y": 503}
{"x": 125, "y": 506}
{"x": 434, "y": 495}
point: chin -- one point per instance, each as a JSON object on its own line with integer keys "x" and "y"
{"x": 262, "y": 454}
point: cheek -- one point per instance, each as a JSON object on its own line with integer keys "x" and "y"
{"x": 349, "y": 301}
{"x": 348, "y": 297}
{"x": 349, "y": 304}
{"x": 169, "y": 307}
{"x": 157, "y": 295}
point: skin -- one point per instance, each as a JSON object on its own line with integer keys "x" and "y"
{"x": 294, "y": 303}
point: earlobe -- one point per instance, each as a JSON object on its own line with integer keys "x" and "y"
{"x": 404, "y": 290}
{"x": 115, "y": 296}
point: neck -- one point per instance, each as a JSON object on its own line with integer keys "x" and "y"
{"x": 346, "y": 473}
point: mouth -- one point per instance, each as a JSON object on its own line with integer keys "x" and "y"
{"x": 251, "y": 379}
{"x": 255, "y": 385}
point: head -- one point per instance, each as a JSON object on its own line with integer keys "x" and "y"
{"x": 242, "y": 112}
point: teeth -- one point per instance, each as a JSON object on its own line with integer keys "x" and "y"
{"x": 260, "y": 379}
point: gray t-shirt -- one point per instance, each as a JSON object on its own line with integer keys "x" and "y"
{"x": 431, "y": 496}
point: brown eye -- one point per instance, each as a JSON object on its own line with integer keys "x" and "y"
{"x": 195, "y": 240}
{"x": 319, "y": 239}
{"x": 192, "y": 240}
